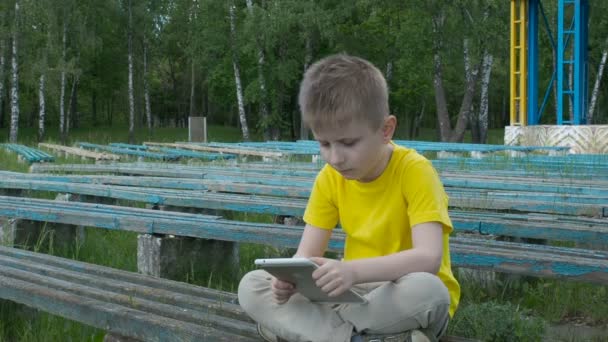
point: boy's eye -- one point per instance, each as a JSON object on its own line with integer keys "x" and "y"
{"x": 324, "y": 144}
{"x": 349, "y": 142}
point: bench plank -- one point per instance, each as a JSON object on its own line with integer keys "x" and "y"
{"x": 586, "y": 265}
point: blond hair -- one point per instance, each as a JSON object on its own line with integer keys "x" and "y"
{"x": 341, "y": 88}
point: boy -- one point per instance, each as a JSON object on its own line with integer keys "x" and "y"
{"x": 392, "y": 206}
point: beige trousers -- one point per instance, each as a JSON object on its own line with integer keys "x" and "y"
{"x": 414, "y": 301}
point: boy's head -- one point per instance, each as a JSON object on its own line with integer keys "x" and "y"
{"x": 340, "y": 89}
{"x": 344, "y": 101}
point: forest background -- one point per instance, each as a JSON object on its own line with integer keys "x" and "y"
{"x": 141, "y": 64}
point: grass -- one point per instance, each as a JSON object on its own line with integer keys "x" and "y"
{"x": 507, "y": 309}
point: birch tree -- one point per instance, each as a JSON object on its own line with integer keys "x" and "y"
{"x": 261, "y": 78}
{"x": 62, "y": 114}
{"x": 130, "y": 61}
{"x": 14, "y": 130}
{"x": 447, "y": 133}
{"x": 479, "y": 119}
{"x": 2, "y": 68}
{"x": 146, "y": 85}
{"x": 486, "y": 71}
{"x": 237, "y": 73}
{"x": 192, "y": 21}
{"x": 41, "y": 106}
{"x": 43, "y": 67}
{"x": 307, "y": 61}
{"x": 596, "y": 84}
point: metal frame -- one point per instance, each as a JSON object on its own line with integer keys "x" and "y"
{"x": 570, "y": 48}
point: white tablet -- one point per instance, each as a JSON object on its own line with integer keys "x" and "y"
{"x": 298, "y": 271}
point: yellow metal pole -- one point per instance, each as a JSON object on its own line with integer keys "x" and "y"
{"x": 523, "y": 66}
{"x": 513, "y": 62}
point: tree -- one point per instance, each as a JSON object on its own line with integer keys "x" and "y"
{"x": 2, "y": 68}
{"x": 130, "y": 62}
{"x": 237, "y": 72}
{"x": 62, "y": 114}
{"x": 596, "y": 85}
{"x": 261, "y": 78}
{"x": 14, "y": 130}
{"x": 447, "y": 133}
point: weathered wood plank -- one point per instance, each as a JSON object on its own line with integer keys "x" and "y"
{"x": 126, "y": 151}
{"x": 566, "y": 205}
{"x": 518, "y": 258}
{"x": 117, "y": 319}
{"x": 31, "y": 155}
{"x": 560, "y": 228}
{"x": 79, "y": 152}
{"x": 237, "y": 151}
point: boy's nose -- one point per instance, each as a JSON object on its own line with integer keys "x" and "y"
{"x": 336, "y": 157}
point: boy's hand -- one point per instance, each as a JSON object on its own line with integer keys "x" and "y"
{"x": 281, "y": 290}
{"x": 333, "y": 277}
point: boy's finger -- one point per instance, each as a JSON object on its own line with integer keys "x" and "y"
{"x": 319, "y": 273}
{"x": 283, "y": 285}
{"x": 318, "y": 261}
{"x": 331, "y": 286}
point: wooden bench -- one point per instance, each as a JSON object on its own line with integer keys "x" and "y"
{"x": 237, "y": 197}
{"x": 181, "y": 153}
{"x": 124, "y": 303}
{"x": 28, "y": 154}
{"x": 586, "y": 175}
{"x": 161, "y": 309}
{"x": 79, "y": 152}
{"x": 562, "y": 189}
{"x": 238, "y": 151}
{"x": 588, "y": 265}
{"x": 309, "y": 147}
{"x": 127, "y": 151}
{"x": 595, "y": 205}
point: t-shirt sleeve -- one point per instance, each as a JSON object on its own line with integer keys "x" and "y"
{"x": 322, "y": 210}
{"x": 425, "y": 195}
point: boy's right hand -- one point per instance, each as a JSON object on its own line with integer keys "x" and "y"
{"x": 281, "y": 290}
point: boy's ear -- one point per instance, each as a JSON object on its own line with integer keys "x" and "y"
{"x": 388, "y": 128}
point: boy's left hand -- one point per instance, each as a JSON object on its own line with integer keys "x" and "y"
{"x": 333, "y": 277}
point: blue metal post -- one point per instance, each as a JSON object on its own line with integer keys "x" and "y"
{"x": 560, "y": 61}
{"x": 584, "y": 67}
{"x": 533, "y": 115}
{"x": 576, "y": 56}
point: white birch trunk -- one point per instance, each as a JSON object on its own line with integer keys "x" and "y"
{"x": 237, "y": 75}
{"x": 62, "y": 90}
{"x": 70, "y": 112}
{"x": 192, "y": 88}
{"x": 2, "y": 67}
{"x": 14, "y": 130}
{"x": 596, "y": 86}
{"x": 468, "y": 70}
{"x": 42, "y": 106}
{"x": 261, "y": 79}
{"x": 486, "y": 72}
{"x": 307, "y": 61}
{"x": 389, "y": 71}
{"x": 146, "y": 87}
{"x": 131, "y": 95}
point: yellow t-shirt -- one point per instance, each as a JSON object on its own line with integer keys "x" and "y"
{"x": 378, "y": 216}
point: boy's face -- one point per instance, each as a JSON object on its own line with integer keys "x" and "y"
{"x": 355, "y": 150}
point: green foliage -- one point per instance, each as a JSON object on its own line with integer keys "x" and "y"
{"x": 179, "y": 34}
